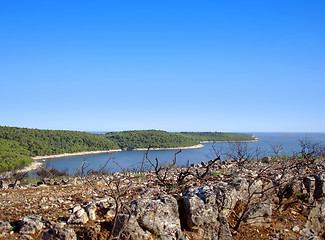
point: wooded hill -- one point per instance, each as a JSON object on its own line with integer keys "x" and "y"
{"x": 18, "y": 145}
{"x": 219, "y": 136}
{"x": 162, "y": 139}
{"x": 155, "y": 138}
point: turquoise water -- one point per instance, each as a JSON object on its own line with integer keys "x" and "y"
{"x": 134, "y": 159}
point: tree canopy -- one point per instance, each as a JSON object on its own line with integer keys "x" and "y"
{"x": 219, "y": 136}
{"x": 154, "y": 138}
{"x": 19, "y": 144}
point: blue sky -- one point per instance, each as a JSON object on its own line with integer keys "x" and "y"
{"x": 233, "y": 66}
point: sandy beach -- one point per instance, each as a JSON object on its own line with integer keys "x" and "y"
{"x": 255, "y": 140}
{"x": 109, "y": 151}
{"x": 74, "y": 154}
{"x": 32, "y": 167}
{"x": 176, "y": 148}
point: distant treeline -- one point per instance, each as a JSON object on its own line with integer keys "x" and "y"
{"x": 163, "y": 139}
{"x": 219, "y": 136}
{"x": 18, "y": 145}
{"x": 154, "y": 138}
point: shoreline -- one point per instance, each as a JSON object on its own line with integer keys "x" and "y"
{"x": 62, "y": 155}
{"x": 31, "y": 168}
{"x": 175, "y": 148}
{"x": 255, "y": 140}
{"x": 37, "y": 164}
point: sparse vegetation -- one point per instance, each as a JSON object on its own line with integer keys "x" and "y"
{"x": 241, "y": 193}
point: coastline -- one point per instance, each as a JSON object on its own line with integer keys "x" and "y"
{"x": 175, "y": 148}
{"x": 32, "y": 167}
{"x": 62, "y": 155}
{"x": 255, "y": 140}
{"x": 136, "y": 149}
{"x": 109, "y": 151}
{"x": 37, "y": 164}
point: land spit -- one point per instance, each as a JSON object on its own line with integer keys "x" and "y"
{"x": 135, "y": 149}
{"x": 75, "y": 154}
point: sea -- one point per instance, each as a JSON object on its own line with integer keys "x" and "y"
{"x": 136, "y": 160}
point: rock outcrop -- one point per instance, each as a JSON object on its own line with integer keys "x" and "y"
{"x": 208, "y": 208}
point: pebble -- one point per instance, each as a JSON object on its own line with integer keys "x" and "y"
{"x": 296, "y": 229}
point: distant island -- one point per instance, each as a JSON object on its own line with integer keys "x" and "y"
{"x": 19, "y": 145}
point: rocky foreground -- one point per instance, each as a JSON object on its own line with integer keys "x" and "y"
{"x": 217, "y": 200}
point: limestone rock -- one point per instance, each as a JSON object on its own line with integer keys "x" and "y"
{"x": 198, "y": 215}
{"x": 128, "y": 228}
{"x": 5, "y": 226}
{"x": 224, "y": 231}
{"x": 319, "y": 186}
{"x": 30, "y": 224}
{"x": 309, "y": 187}
{"x": 92, "y": 231}
{"x": 316, "y": 217}
{"x": 59, "y": 234}
{"x": 106, "y": 203}
{"x": 227, "y": 194}
{"x": 308, "y": 234}
{"x": 78, "y": 216}
{"x": 158, "y": 215}
{"x": 259, "y": 214}
{"x": 91, "y": 210}
{"x": 3, "y": 184}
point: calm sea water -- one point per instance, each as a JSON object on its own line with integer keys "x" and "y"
{"x": 134, "y": 159}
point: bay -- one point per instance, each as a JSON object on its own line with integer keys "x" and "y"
{"x": 136, "y": 159}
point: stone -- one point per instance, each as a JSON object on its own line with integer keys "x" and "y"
{"x": 107, "y": 203}
{"x": 103, "y": 202}
{"x": 92, "y": 231}
{"x": 26, "y": 237}
{"x": 159, "y": 215}
{"x": 78, "y": 216}
{"x": 296, "y": 228}
{"x": 91, "y": 210}
{"x": 27, "y": 229}
{"x": 59, "y": 225}
{"x": 319, "y": 186}
{"x": 309, "y": 186}
{"x": 30, "y": 224}
{"x": 127, "y": 227}
{"x": 59, "y": 234}
{"x": 224, "y": 231}
{"x": 227, "y": 195}
{"x": 199, "y": 213}
{"x": 5, "y": 226}
{"x": 316, "y": 217}
{"x": 3, "y": 184}
{"x": 308, "y": 234}
{"x": 259, "y": 214}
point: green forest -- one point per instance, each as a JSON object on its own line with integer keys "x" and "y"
{"x": 155, "y": 138}
{"x": 162, "y": 139}
{"x": 18, "y": 145}
{"x": 219, "y": 136}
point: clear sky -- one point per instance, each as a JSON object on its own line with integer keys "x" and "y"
{"x": 233, "y": 66}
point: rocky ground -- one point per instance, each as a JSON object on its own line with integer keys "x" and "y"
{"x": 217, "y": 200}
